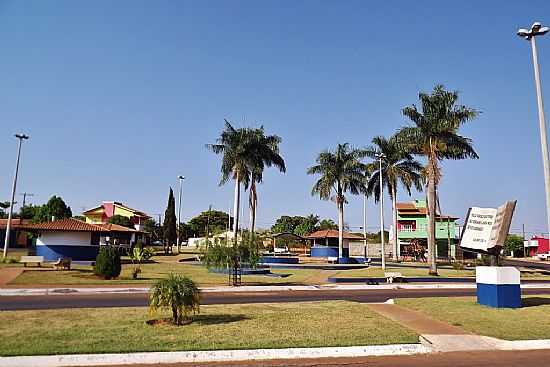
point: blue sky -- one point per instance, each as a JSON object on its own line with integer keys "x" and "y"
{"x": 120, "y": 97}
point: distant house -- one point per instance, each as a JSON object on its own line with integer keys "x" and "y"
{"x": 412, "y": 229}
{"x": 325, "y": 243}
{"x": 18, "y": 234}
{"x": 536, "y": 245}
{"x": 101, "y": 214}
{"x": 77, "y": 239}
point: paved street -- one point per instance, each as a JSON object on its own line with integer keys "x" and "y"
{"x": 533, "y": 358}
{"x": 140, "y": 299}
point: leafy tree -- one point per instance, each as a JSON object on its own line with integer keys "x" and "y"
{"x": 215, "y": 220}
{"x": 121, "y": 221}
{"x": 154, "y": 229}
{"x": 514, "y": 245}
{"x": 307, "y": 225}
{"x": 398, "y": 167}
{"x": 285, "y": 223}
{"x": 170, "y": 235}
{"x": 327, "y": 224}
{"x": 341, "y": 171}
{"x": 177, "y": 293}
{"x": 3, "y": 206}
{"x": 54, "y": 208}
{"x": 435, "y": 136}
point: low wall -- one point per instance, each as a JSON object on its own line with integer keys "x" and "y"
{"x": 323, "y": 251}
{"x": 279, "y": 260}
{"x": 77, "y": 253}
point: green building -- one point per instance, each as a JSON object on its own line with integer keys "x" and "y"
{"x": 412, "y": 235}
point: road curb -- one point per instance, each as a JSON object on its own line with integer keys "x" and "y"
{"x": 211, "y": 356}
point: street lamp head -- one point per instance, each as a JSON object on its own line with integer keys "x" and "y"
{"x": 535, "y": 27}
{"x": 181, "y": 177}
{"x": 21, "y": 136}
{"x": 522, "y": 32}
{"x": 536, "y": 30}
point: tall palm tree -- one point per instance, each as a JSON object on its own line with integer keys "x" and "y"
{"x": 435, "y": 136}
{"x": 399, "y": 166}
{"x": 264, "y": 152}
{"x": 235, "y": 147}
{"x": 341, "y": 171}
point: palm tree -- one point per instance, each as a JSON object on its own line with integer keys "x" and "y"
{"x": 341, "y": 171}
{"x": 177, "y": 293}
{"x": 435, "y": 136}
{"x": 264, "y": 152}
{"x": 234, "y": 145}
{"x": 398, "y": 166}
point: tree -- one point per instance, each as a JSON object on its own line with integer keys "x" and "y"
{"x": 307, "y": 225}
{"x": 177, "y": 293}
{"x": 3, "y": 206}
{"x": 514, "y": 245}
{"x": 398, "y": 166}
{"x": 235, "y": 147}
{"x": 341, "y": 171}
{"x": 54, "y": 209}
{"x": 121, "y": 221}
{"x": 215, "y": 220}
{"x": 327, "y": 224}
{"x": 170, "y": 235}
{"x": 265, "y": 152}
{"x": 435, "y": 136}
{"x": 286, "y": 224}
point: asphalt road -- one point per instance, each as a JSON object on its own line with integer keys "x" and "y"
{"x": 209, "y": 298}
{"x": 532, "y": 358}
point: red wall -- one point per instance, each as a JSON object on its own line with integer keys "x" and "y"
{"x": 543, "y": 247}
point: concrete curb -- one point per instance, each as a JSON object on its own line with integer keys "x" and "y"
{"x": 105, "y": 290}
{"x": 211, "y": 356}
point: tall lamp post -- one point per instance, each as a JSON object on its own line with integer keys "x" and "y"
{"x": 380, "y": 157}
{"x": 180, "y": 178}
{"x": 365, "y": 226}
{"x": 538, "y": 30}
{"x": 21, "y": 137}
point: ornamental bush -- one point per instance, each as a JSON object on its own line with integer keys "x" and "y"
{"x": 177, "y": 293}
{"x": 107, "y": 262}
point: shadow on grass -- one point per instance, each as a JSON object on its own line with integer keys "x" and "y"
{"x": 535, "y": 301}
{"x": 218, "y": 319}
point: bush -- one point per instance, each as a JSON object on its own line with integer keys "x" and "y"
{"x": 177, "y": 293}
{"x": 107, "y": 262}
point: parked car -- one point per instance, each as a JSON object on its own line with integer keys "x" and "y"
{"x": 544, "y": 257}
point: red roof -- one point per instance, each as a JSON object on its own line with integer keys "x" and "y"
{"x": 75, "y": 225}
{"x": 411, "y": 209}
{"x": 332, "y": 233}
{"x": 15, "y": 223}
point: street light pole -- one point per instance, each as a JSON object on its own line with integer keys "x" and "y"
{"x": 181, "y": 178}
{"x": 381, "y": 156}
{"x": 365, "y": 226}
{"x": 21, "y": 137}
{"x": 538, "y": 30}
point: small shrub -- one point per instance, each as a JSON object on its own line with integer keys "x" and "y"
{"x": 107, "y": 263}
{"x": 177, "y": 293}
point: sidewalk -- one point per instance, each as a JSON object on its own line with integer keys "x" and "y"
{"x": 64, "y": 290}
{"x": 8, "y": 274}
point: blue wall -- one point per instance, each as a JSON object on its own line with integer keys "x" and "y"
{"x": 77, "y": 253}
{"x": 279, "y": 260}
{"x": 327, "y": 252}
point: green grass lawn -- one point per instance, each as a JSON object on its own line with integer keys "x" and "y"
{"x": 529, "y": 322}
{"x": 83, "y": 275}
{"x": 283, "y": 325}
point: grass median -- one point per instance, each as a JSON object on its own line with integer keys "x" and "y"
{"x": 528, "y": 322}
{"x": 283, "y": 325}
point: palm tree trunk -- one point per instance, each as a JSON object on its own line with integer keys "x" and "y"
{"x": 340, "y": 227}
{"x": 396, "y": 247}
{"x": 431, "y": 225}
{"x": 253, "y": 202}
{"x": 236, "y": 208}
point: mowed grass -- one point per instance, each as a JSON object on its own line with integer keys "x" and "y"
{"x": 83, "y": 275}
{"x": 283, "y": 325}
{"x": 529, "y": 322}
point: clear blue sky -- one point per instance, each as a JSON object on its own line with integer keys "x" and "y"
{"x": 120, "y": 97}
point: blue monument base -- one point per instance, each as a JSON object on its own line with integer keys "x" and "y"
{"x": 322, "y": 251}
{"x": 499, "y": 296}
{"x": 77, "y": 253}
{"x": 498, "y": 287}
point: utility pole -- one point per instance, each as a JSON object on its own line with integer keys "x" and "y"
{"x": 538, "y": 30}
{"x": 181, "y": 178}
{"x": 21, "y": 137}
{"x": 381, "y": 156}
{"x": 25, "y": 194}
